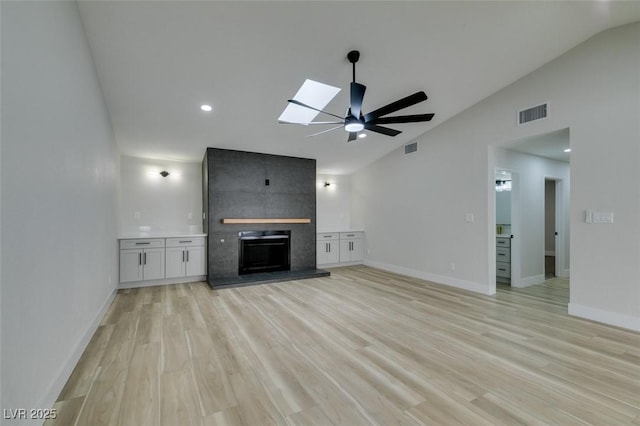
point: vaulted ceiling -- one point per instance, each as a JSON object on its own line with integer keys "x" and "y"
{"x": 159, "y": 61}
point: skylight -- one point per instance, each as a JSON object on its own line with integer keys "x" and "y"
{"x": 311, "y": 93}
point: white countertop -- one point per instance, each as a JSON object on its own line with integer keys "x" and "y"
{"x": 332, "y": 231}
{"x": 133, "y": 235}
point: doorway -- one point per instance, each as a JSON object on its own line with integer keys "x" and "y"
{"x": 550, "y": 231}
{"x": 505, "y": 241}
{"x": 540, "y": 242}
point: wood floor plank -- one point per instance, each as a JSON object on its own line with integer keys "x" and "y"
{"x": 362, "y": 346}
{"x": 141, "y": 398}
{"x": 179, "y": 404}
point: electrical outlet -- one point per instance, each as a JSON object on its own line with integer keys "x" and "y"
{"x": 452, "y": 266}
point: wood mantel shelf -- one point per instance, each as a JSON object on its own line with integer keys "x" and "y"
{"x": 280, "y": 220}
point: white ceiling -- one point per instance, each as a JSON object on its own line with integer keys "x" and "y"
{"x": 158, "y": 61}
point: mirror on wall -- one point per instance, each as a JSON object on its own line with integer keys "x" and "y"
{"x": 503, "y": 202}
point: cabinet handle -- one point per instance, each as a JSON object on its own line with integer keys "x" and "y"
{"x": 141, "y": 244}
{"x": 187, "y": 255}
{"x": 145, "y": 258}
{"x": 182, "y": 255}
{"x": 185, "y": 242}
{"x": 328, "y": 249}
{"x": 351, "y": 235}
{"x": 502, "y": 269}
{"x": 139, "y": 258}
{"x": 501, "y": 254}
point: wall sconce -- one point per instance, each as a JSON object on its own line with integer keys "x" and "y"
{"x": 327, "y": 184}
{"x": 164, "y": 173}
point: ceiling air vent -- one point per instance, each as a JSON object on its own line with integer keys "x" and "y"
{"x": 412, "y": 147}
{"x": 531, "y": 114}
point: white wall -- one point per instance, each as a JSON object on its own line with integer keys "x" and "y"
{"x": 503, "y": 207}
{"x": 594, "y": 90}
{"x": 59, "y": 172}
{"x": 171, "y": 204}
{"x": 528, "y": 230}
{"x": 333, "y": 203}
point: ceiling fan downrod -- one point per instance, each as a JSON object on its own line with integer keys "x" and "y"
{"x": 353, "y": 57}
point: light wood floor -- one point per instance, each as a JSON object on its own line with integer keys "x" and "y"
{"x": 360, "y": 347}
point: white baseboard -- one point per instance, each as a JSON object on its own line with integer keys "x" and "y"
{"x": 438, "y": 279}
{"x": 337, "y": 265}
{"x": 165, "y": 281}
{"x": 529, "y": 281}
{"x": 563, "y": 274}
{"x": 64, "y": 373}
{"x": 606, "y": 317}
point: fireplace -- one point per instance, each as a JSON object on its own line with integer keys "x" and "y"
{"x": 264, "y": 251}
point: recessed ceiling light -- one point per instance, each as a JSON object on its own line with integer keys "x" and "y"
{"x": 567, "y": 150}
{"x": 362, "y": 135}
{"x": 206, "y": 108}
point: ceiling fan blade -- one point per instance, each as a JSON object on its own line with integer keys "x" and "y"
{"x": 396, "y": 106}
{"x": 324, "y": 131}
{"x": 384, "y": 130}
{"x": 417, "y": 118}
{"x": 357, "y": 95}
{"x": 310, "y": 123}
{"x": 352, "y": 136}
{"x": 293, "y": 101}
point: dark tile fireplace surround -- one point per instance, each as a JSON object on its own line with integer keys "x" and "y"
{"x": 247, "y": 185}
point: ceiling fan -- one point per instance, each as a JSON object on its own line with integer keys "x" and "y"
{"x": 355, "y": 121}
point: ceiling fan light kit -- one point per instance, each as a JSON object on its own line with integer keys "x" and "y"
{"x": 355, "y": 121}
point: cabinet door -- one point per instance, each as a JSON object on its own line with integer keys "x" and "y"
{"x": 153, "y": 264}
{"x": 175, "y": 258}
{"x": 195, "y": 261}
{"x": 130, "y": 265}
{"x": 356, "y": 250}
{"x": 345, "y": 250}
{"x": 321, "y": 252}
{"x": 334, "y": 252}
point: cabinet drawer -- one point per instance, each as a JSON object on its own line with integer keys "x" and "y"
{"x": 503, "y": 269}
{"x": 328, "y": 236}
{"x": 503, "y": 254}
{"x": 350, "y": 235}
{"x": 141, "y": 243}
{"x": 185, "y": 241}
{"x": 503, "y": 242}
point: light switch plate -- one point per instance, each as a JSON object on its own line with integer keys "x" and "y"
{"x": 602, "y": 217}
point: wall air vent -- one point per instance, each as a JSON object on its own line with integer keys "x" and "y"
{"x": 412, "y": 147}
{"x": 534, "y": 113}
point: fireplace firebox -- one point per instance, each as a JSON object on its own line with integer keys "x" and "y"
{"x": 264, "y": 251}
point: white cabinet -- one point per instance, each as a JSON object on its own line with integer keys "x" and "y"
{"x": 185, "y": 257}
{"x": 334, "y": 248}
{"x": 141, "y": 259}
{"x": 350, "y": 247}
{"x": 328, "y": 248}
{"x": 503, "y": 260}
{"x": 161, "y": 260}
